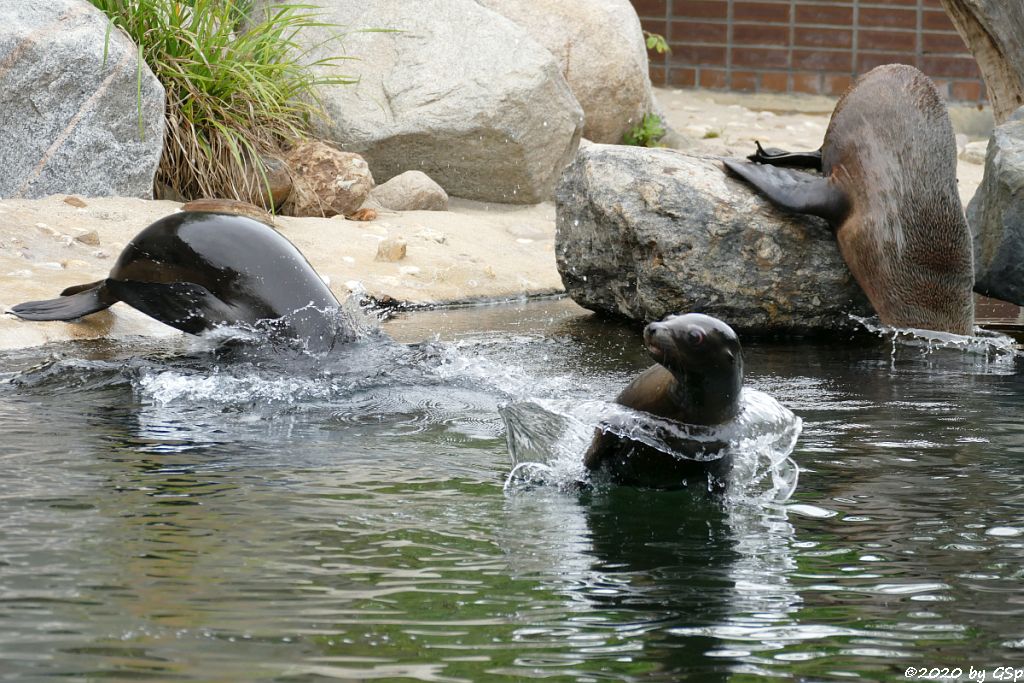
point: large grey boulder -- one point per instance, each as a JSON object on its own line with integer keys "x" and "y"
{"x": 454, "y": 90}
{"x": 70, "y": 111}
{"x": 601, "y": 51}
{"x": 996, "y": 215}
{"x": 644, "y": 232}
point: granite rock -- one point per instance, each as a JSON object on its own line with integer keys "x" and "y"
{"x": 71, "y": 118}
{"x": 643, "y": 233}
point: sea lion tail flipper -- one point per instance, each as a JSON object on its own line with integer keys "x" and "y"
{"x": 183, "y": 305}
{"x": 779, "y": 157}
{"x": 81, "y": 301}
{"x": 794, "y": 190}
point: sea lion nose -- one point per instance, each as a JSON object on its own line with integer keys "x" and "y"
{"x": 654, "y": 334}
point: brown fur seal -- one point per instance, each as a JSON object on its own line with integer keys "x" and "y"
{"x": 197, "y": 270}
{"x": 889, "y": 191}
{"x": 697, "y": 381}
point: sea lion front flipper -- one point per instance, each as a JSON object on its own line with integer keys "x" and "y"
{"x": 183, "y": 305}
{"x": 95, "y": 297}
{"x": 601, "y": 447}
{"x": 779, "y": 157}
{"x": 794, "y": 190}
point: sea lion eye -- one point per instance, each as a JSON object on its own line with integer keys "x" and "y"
{"x": 695, "y": 337}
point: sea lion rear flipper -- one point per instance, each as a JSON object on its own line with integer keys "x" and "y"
{"x": 598, "y": 450}
{"x": 779, "y": 157}
{"x": 84, "y": 300}
{"x": 183, "y": 305}
{"x": 794, "y": 190}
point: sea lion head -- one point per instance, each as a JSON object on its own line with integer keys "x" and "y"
{"x": 694, "y": 344}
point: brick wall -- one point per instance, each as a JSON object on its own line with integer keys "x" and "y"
{"x": 806, "y": 46}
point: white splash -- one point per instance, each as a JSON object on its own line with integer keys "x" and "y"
{"x": 983, "y": 342}
{"x": 165, "y": 387}
{"x": 547, "y": 440}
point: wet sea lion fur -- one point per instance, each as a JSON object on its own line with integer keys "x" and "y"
{"x": 888, "y": 188}
{"x": 198, "y": 270}
{"x": 697, "y": 380}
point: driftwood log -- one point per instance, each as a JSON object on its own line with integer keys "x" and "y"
{"x": 994, "y": 32}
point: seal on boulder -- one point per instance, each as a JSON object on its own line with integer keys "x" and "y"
{"x": 697, "y": 381}
{"x": 200, "y": 269}
{"x": 888, "y": 188}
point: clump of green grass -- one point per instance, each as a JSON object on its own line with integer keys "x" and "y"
{"x": 239, "y": 87}
{"x": 646, "y": 133}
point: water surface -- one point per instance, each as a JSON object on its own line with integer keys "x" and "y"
{"x": 172, "y": 512}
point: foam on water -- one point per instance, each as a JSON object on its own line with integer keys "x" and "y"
{"x": 547, "y": 439}
{"x": 227, "y": 387}
{"x": 297, "y": 377}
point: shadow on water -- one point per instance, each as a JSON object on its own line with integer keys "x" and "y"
{"x": 660, "y": 563}
{"x": 173, "y": 511}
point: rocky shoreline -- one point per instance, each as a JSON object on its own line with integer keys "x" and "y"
{"x": 473, "y": 252}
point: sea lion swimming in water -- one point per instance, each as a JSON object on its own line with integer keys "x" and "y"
{"x": 697, "y": 381}
{"x": 200, "y": 269}
{"x": 888, "y": 189}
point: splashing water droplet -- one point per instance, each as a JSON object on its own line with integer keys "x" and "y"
{"x": 547, "y": 439}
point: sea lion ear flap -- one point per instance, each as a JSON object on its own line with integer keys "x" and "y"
{"x": 794, "y": 190}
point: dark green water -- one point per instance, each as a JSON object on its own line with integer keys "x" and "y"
{"x": 166, "y": 514}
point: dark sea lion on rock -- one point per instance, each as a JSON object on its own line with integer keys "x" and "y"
{"x": 697, "y": 381}
{"x": 200, "y": 269}
{"x": 889, "y": 191}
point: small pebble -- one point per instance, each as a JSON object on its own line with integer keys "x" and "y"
{"x": 364, "y": 214}
{"x": 90, "y": 238}
{"x": 974, "y": 152}
{"x": 391, "y": 249}
{"x": 432, "y": 235}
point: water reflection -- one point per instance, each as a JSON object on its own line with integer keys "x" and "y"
{"x": 655, "y": 585}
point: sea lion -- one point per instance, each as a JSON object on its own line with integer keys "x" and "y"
{"x": 888, "y": 188}
{"x": 197, "y": 270}
{"x": 697, "y": 381}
